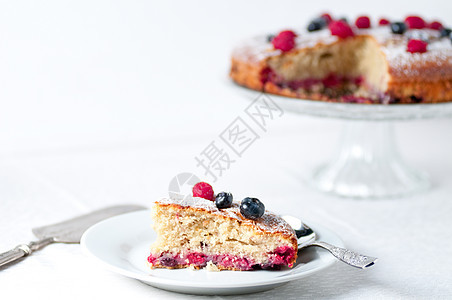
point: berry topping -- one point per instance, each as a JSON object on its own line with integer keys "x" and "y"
{"x": 445, "y": 32}
{"x": 284, "y": 41}
{"x": 398, "y": 27}
{"x": 415, "y": 22}
{"x": 435, "y": 25}
{"x": 270, "y": 38}
{"x": 317, "y": 24}
{"x": 416, "y": 46}
{"x": 252, "y": 208}
{"x": 327, "y": 17}
{"x": 362, "y": 22}
{"x": 223, "y": 200}
{"x": 203, "y": 190}
{"x": 383, "y": 22}
{"x": 341, "y": 29}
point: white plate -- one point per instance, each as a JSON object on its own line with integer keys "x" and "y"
{"x": 122, "y": 245}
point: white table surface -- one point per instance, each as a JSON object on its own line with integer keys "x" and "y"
{"x": 104, "y": 102}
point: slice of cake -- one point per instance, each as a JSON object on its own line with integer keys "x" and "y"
{"x": 334, "y": 60}
{"x": 194, "y": 232}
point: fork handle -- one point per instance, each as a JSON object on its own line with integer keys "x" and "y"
{"x": 23, "y": 250}
{"x": 14, "y": 254}
{"x": 347, "y": 256}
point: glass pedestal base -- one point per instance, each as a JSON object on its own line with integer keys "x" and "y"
{"x": 368, "y": 165}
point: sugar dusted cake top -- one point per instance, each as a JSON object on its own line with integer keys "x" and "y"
{"x": 401, "y": 62}
{"x": 268, "y": 223}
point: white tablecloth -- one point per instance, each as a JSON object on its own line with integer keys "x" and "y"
{"x": 103, "y": 103}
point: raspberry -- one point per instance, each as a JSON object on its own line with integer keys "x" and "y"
{"x": 327, "y": 17}
{"x": 416, "y": 46}
{"x": 363, "y": 22}
{"x": 435, "y": 25}
{"x": 415, "y": 22}
{"x": 341, "y": 29}
{"x": 331, "y": 81}
{"x": 383, "y": 22}
{"x": 284, "y": 41}
{"x": 203, "y": 190}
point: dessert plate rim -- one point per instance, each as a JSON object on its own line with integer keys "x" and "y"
{"x": 118, "y": 244}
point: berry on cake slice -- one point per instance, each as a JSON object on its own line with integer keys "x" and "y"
{"x": 363, "y": 22}
{"x": 415, "y": 22}
{"x": 383, "y": 22}
{"x": 341, "y": 29}
{"x": 435, "y": 25}
{"x": 327, "y": 17}
{"x": 199, "y": 233}
{"x": 445, "y": 32}
{"x": 284, "y": 41}
{"x": 416, "y": 46}
{"x": 252, "y": 208}
{"x": 316, "y": 24}
{"x": 223, "y": 200}
{"x": 398, "y": 27}
{"x": 203, "y": 190}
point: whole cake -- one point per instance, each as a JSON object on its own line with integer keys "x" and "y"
{"x": 333, "y": 60}
{"x": 219, "y": 235}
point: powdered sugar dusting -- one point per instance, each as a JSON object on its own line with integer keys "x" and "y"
{"x": 269, "y": 222}
{"x": 255, "y": 49}
{"x": 436, "y": 62}
{"x": 259, "y": 48}
{"x": 406, "y": 64}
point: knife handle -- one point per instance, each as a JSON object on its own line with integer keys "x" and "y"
{"x": 22, "y": 250}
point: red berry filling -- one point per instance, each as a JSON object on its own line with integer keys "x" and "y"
{"x": 280, "y": 257}
{"x": 383, "y": 22}
{"x": 435, "y": 25}
{"x": 284, "y": 41}
{"x": 363, "y": 22}
{"x": 197, "y": 259}
{"x": 203, "y": 190}
{"x": 341, "y": 29}
{"x": 415, "y": 22}
{"x": 267, "y": 74}
{"x": 416, "y": 46}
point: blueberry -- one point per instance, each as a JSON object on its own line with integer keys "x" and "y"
{"x": 270, "y": 38}
{"x": 344, "y": 19}
{"x": 223, "y": 200}
{"x": 316, "y": 24}
{"x": 445, "y": 32}
{"x": 398, "y": 27}
{"x": 252, "y": 208}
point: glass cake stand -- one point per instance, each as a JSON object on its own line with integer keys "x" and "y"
{"x": 367, "y": 163}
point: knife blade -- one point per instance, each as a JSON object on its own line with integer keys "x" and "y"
{"x": 69, "y": 231}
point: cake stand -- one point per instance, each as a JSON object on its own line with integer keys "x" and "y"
{"x": 366, "y": 163}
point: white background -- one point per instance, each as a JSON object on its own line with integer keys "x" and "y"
{"x": 103, "y": 102}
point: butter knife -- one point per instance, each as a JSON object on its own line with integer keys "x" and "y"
{"x": 69, "y": 231}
